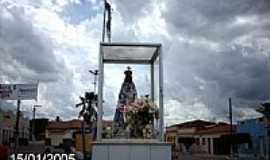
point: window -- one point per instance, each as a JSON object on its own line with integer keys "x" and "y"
{"x": 197, "y": 140}
{"x": 260, "y": 120}
{"x": 203, "y": 141}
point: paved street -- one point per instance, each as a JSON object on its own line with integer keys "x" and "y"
{"x": 205, "y": 157}
{"x": 32, "y": 148}
{"x": 37, "y": 147}
{"x": 197, "y": 157}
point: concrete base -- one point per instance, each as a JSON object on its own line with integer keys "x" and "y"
{"x": 119, "y": 149}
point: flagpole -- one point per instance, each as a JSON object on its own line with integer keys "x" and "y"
{"x": 103, "y": 27}
{"x": 109, "y": 25}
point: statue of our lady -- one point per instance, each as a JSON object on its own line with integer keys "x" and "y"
{"x": 127, "y": 94}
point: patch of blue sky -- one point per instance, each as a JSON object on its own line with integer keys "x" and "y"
{"x": 75, "y": 13}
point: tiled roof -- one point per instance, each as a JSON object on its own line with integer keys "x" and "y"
{"x": 72, "y": 124}
{"x": 192, "y": 124}
{"x": 202, "y": 127}
{"x": 217, "y": 128}
{"x": 64, "y": 125}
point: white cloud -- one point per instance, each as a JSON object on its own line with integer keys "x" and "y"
{"x": 212, "y": 51}
{"x": 177, "y": 112}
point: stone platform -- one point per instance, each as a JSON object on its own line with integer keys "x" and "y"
{"x": 131, "y": 149}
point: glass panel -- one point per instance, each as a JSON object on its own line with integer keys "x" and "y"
{"x": 113, "y": 96}
{"x": 156, "y": 91}
{"x": 127, "y": 116}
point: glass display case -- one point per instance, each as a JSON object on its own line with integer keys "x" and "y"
{"x": 133, "y": 53}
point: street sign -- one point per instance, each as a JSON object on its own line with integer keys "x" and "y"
{"x": 18, "y": 91}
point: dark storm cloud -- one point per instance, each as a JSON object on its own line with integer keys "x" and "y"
{"x": 24, "y": 54}
{"x": 243, "y": 76}
{"x": 214, "y": 19}
{"x": 27, "y": 55}
{"x": 217, "y": 49}
{"x": 213, "y": 76}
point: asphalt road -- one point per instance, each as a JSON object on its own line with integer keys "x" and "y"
{"x": 197, "y": 157}
{"x": 192, "y": 157}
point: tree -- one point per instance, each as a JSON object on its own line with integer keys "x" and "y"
{"x": 89, "y": 109}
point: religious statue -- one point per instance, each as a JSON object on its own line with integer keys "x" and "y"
{"x": 127, "y": 95}
{"x": 134, "y": 117}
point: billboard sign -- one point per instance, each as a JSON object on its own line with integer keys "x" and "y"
{"x": 18, "y": 91}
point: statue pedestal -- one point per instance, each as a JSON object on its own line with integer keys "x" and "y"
{"x": 131, "y": 149}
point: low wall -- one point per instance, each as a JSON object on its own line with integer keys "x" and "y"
{"x": 131, "y": 150}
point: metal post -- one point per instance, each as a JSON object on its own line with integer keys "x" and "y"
{"x": 267, "y": 142}
{"x": 100, "y": 95}
{"x": 16, "y": 133}
{"x": 83, "y": 140}
{"x": 33, "y": 124}
{"x": 161, "y": 94}
{"x": 95, "y": 82}
{"x": 152, "y": 81}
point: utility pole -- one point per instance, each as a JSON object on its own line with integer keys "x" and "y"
{"x": 33, "y": 122}
{"x": 231, "y": 117}
{"x": 95, "y": 73}
{"x": 231, "y": 125}
{"x": 16, "y": 132}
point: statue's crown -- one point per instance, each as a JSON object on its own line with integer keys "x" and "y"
{"x": 128, "y": 71}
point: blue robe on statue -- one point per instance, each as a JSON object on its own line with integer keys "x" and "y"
{"x": 127, "y": 94}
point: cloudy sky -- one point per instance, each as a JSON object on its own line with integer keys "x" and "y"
{"x": 213, "y": 50}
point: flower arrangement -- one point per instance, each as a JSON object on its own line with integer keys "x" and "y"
{"x": 140, "y": 116}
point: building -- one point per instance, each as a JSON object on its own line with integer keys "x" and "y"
{"x": 211, "y": 139}
{"x": 59, "y": 131}
{"x": 88, "y": 139}
{"x": 256, "y": 128}
{"x": 259, "y": 131}
{"x": 171, "y": 137}
{"x": 171, "y": 134}
{"x": 199, "y": 137}
{"x": 69, "y": 133}
{"x": 38, "y": 128}
{"x": 7, "y": 125}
